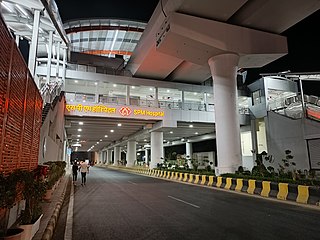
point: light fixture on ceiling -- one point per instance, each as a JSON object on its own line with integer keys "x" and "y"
{"x": 196, "y": 133}
{"x": 171, "y": 132}
{"x": 80, "y": 123}
{"x": 100, "y": 140}
{"x": 76, "y": 81}
{"x": 119, "y": 124}
{"x": 78, "y": 135}
{"x": 6, "y": 6}
{"x": 96, "y": 83}
{"x": 105, "y": 136}
{"x": 112, "y": 130}
{"x": 114, "y": 85}
{"x": 21, "y": 10}
{"x": 79, "y": 130}
{"x": 191, "y": 126}
{"x": 133, "y": 87}
{"x": 29, "y": 26}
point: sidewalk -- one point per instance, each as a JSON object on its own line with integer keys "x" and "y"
{"x": 49, "y": 207}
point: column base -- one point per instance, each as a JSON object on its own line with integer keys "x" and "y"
{"x": 222, "y": 170}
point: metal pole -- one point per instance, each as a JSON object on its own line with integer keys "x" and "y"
{"x": 34, "y": 42}
{"x": 302, "y": 98}
{"x": 49, "y": 57}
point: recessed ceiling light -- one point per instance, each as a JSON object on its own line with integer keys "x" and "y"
{"x": 119, "y": 124}
{"x": 168, "y": 90}
{"x": 191, "y": 125}
{"x": 151, "y": 89}
{"x": 79, "y": 130}
{"x": 145, "y": 140}
{"x": 133, "y": 87}
{"x": 80, "y": 123}
{"x": 96, "y": 83}
{"x": 76, "y": 81}
{"x": 114, "y": 85}
{"x": 194, "y": 93}
{"x": 97, "y": 142}
{"x": 111, "y": 130}
{"x": 171, "y": 132}
{"x": 105, "y": 136}
{"x": 78, "y": 135}
{"x": 196, "y": 133}
{"x": 100, "y": 140}
{"x": 78, "y": 140}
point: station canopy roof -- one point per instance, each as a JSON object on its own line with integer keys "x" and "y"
{"x": 104, "y": 37}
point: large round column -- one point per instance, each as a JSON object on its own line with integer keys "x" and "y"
{"x": 156, "y": 148}
{"x": 117, "y": 156}
{"x": 189, "y": 154}
{"x": 146, "y": 156}
{"x": 131, "y": 153}
{"x": 224, "y": 72}
{"x": 109, "y": 156}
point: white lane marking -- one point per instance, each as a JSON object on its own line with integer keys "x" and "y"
{"x": 132, "y": 182}
{"x": 69, "y": 222}
{"x": 179, "y": 200}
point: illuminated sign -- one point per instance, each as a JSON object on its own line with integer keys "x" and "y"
{"x": 96, "y": 108}
{"x": 148, "y": 113}
{"x": 124, "y": 111}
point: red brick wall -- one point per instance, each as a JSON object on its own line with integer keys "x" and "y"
{"x": 20, "y": 108}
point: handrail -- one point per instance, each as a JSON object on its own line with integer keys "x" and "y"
{"x": 49, "y": 91}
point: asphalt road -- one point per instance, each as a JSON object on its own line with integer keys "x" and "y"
{"x": 122, "y": 206}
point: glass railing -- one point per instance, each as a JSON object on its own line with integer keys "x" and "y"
{"x": 292, "y": 106}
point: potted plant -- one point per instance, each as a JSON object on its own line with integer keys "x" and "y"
{"x": 33, "y": 189}
{"x": 55, "y": 172}
{"x": 8, "y": 196}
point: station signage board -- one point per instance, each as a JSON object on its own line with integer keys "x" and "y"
{"x": 118, "y": 111}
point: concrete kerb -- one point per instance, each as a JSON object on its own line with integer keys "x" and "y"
{"x": 265, "y": 189}
{"x": 49, "y": 230}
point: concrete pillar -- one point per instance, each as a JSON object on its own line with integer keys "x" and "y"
{"x": 128, "y": 95}
{"x": 146, "y": 156}
{"x": 49, "y": 56}
{"x": 58, "y": 60}
{"x": 224, "y": 71}
{"x": 117, "y": 155}
{"x": 156, "y": 97}
{"x": 64, "y": 66}
{"x": 254, "y": 140}
{"x": 109, "y": 156}
{"x": 34, "y": 42}
{"x": 156, "y": 149}
{"x": 131, "y": 153}
{"x": 189, "y": 153}
{"x": 182, "y": 100}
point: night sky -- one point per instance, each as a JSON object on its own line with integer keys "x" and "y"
{"x": 303, "y": 38}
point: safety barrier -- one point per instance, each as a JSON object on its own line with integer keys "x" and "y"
{"x": 282, "y": 191}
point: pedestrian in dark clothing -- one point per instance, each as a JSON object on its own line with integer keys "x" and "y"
{"x": 75, "y": 168}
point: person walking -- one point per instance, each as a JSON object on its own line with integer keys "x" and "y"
{"x": 75, "y": 168}
{"x": 83, "y": 170}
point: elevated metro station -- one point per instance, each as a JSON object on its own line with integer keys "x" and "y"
{"x": 168, "y": 92}
{"x": 128, "y": 93}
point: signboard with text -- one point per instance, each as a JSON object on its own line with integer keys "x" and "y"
{"x": 118, "y": 111}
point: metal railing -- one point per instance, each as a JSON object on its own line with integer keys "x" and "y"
{"x": 49, "y": 91}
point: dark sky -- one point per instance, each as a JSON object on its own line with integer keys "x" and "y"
{"x": 303, "y": 38}
{"x": 123, "y": 9}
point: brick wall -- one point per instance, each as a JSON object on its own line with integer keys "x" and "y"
{"x": 20, "y": 108}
